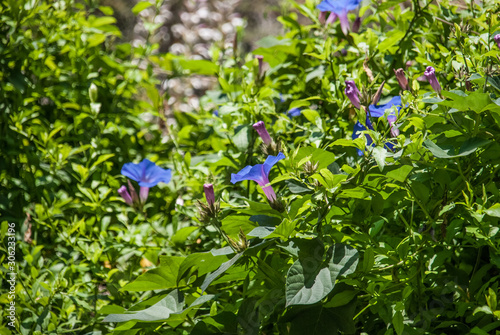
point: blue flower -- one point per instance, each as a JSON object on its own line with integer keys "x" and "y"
{"x": 377, "y": 111}
{"x": 339, "y": 8}
{"x": 146, "y": 173}
{"x": 258, "y": 173}
{"x": 294, "y": 112}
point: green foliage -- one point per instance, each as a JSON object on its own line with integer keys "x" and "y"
{"x": 402, "y": 241}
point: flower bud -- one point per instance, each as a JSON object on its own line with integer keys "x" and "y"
{"x": 93, "y": 93}
{"x": 497, "y": 40}
{"x": 322, "y": 17}
{"x": 260, "y": 59}
{"x": 400, "y": 76}
{"x": 352, "y": 93}
{"x": 430, "y": 74}
{"x": 356, "y": 25}
{"x": 209, "y": 194}
{"x": 260, "y": 127}
{"x": 123, "y": 192}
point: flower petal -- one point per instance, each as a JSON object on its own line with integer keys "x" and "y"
{"x": 379, "y": 110}
{"x": 271, "y": 161}
{"x": 249, "y": 173}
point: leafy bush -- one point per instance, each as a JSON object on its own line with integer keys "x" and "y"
{"x": 381, "y": 219}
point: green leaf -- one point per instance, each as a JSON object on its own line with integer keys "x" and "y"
{"x": 468, "y": 147}
{"x": 379, "y": 154}
{"x": 394, "y": 37}
{"x": 211, "y": 277}
{"x": 310, "y": 280}
{"x": 172, "y": 303}
{"x": 297, "y": 187}
{"x": 494, "y": 210}
{"x": 401, "y": 173}
{"x": 322, "y": 156}
{"x": 242, "y": 138}
{"x": 160, "y": 278}
{"x": 476, "y": 101}
{"x": 140, "y": 6}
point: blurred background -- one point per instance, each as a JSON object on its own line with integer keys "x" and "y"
{"x": 190, "y": 28}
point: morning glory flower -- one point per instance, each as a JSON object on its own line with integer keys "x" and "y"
{"x": 147, "y": 174}
{"x": 430, "y": 74}
{"x": 351, "y": 90}
{"x": 260, "y": 174}
{"x": 379, "y": 111}
{"x": 339, "y": 8}
{"x": 294, "y": 112}
{"x": 497, "y": 40}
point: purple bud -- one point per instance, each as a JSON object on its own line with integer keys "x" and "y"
{"x": 394, "y": 127}
{"x": 400, "y": 76}
{"x": 209, "y": 194}
{"x": 133, "y": 193}
{"x": 497, "y": 40}
{"x": 260, "y": 127}
{"x": 268, "y": 190}
{"x": 356, "y": 25}
{"x": 322, "y": 17}
{"x": 430, "y": 74}
{"x": 352, "y": 93}
{"x": 143, "y": 193}
{"x": 331, "y": 18}
{"x": 260, "y": 58}
{"x": 123, "y": 192}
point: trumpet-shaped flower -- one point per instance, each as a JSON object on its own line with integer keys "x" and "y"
{"x": 147, "y": 174}
{"x": 260, "y": 174}
{"x": 339, "y": 8}
{"x": 379, "y": 111}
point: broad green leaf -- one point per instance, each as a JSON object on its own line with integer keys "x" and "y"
{"x": 223, "y": 268}
{"x": 401, "y": 173}
{"x": 172, "y": 303}
{"x": 160, "y": 278}
{"x": 393, "y": 37}
{"x": 310, "y": 280}
{"x": 379, "y": 154}
{"x": 475, "y": 101}
{"x": 494, "y": 210}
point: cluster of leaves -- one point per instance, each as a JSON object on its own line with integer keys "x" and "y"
{"x": 393, "y": 241}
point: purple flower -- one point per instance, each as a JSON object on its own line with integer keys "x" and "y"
{"x": 215, "y": 112}
{"x": 430, "y": 74}
{"x": 260, "y": 174}
{"x": 340, "y": 9}
{"x": 209, "y": 194}
{"x": 123, "y": 192}
{"x": 352, "y": 92}
{"x": 379, "y": 111}
{"x": 294, "y": 112}
{"x": 497, "y": 40}
{"x": 260, "y": 127}
{"x": 147, "y": 174}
